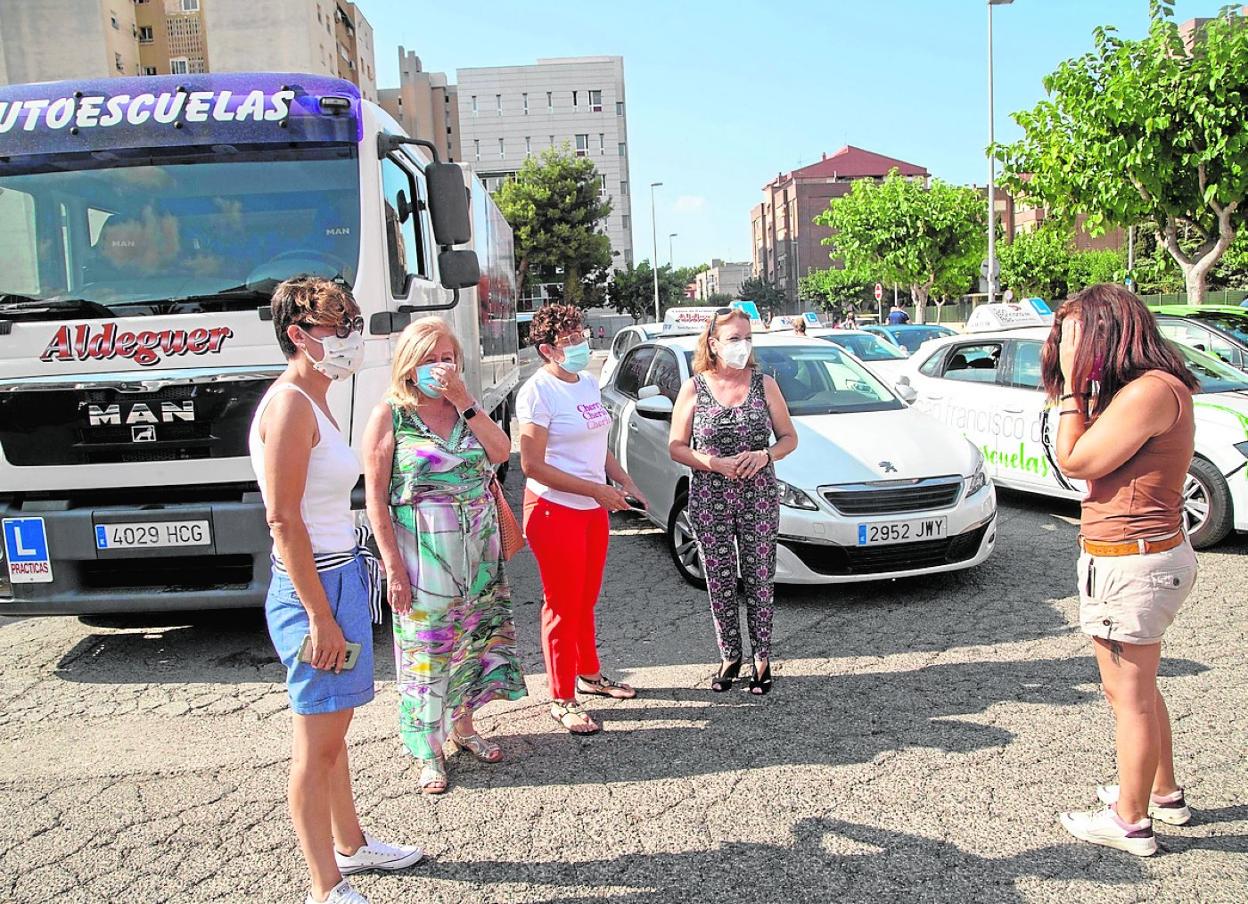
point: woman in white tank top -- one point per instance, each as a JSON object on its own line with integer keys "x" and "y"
{"x": 319, "y": 597}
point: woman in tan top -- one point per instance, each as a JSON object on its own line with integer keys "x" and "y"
{"x": 1126, "y": 427}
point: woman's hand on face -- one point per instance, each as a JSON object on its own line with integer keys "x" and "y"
{"x": 329, "y": 646}
{"x": 1071, "y": 333}
{"x": 750, "y": 463}
{"x": 452, "y": 385}
{"x": 398, "y": 590}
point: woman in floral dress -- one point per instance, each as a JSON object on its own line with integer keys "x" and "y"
{"x": 431, "y": 457}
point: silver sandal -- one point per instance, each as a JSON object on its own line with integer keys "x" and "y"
{"x": 485, "y": 751}
{"x": 432, "y": 776}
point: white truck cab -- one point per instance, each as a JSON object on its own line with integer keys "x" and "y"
{"x": 143, "y": 226}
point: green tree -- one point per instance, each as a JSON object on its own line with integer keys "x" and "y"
{"x": 907, "y": 234}
{"x": 834, "y": 288}
{"x": 764, "y": 294}
{"x": 1088, "y": 268}
{"x": 556, "y": 213}
{"x": 718, "y": 300}
{"x": 1143, "y": 131}
{"x": 1037, "y": 263}
{"x": 631, "y": 291}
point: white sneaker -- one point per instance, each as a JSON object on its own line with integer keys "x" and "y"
{"x": 1172, "y": 812}
{"x": 342, "y": 893}
{"x": 1105, "y": 828}
{"x": 374, "y": 854}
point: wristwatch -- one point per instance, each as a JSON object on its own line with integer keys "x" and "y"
{"x": 470, "y": 412}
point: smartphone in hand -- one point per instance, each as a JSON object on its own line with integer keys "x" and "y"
{"x": 353, "y": 653}
{"x": 635, "y": 504}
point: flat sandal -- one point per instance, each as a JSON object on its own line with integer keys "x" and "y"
{"x": 432, "y": 776}
{"x": 485, "y": 751}
{"x": 603, "y": 686}
{"x": 560, "y": 712}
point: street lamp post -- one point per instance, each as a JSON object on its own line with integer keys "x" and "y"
{"x": 992, "y": 168}
{"x": 654, "y": 257}
{"x": 671, "y": 261}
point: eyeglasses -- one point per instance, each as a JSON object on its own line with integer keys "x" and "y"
{"x": 572, "y": 339}
{"x": 341, "y": 330}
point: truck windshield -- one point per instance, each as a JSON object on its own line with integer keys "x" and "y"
{"x": 132, "y": 233}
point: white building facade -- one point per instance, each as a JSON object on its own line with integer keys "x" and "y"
{"x": 723, "y": 278}
{"x": 510, "y": 113}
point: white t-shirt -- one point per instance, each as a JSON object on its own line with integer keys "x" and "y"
{"x": 578, "y": 427}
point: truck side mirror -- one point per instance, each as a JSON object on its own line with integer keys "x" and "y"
{"x": 459, "y": 269}
{"x": 448, "y": 204}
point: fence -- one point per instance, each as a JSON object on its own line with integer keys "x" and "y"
{"x": 1232, "y": 297}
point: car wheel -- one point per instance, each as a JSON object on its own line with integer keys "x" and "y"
{"x": 683, "y": 546}
{"x": 1207, "y": 514}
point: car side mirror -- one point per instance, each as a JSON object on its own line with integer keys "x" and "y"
{"x": 647, "y": 392}
{"x": 655, "y": 408}
{"x": 448, "y": 203}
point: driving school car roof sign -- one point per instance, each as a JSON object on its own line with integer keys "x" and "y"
{"x": 157, "y": 111}
{"x": 26, "y": 551}
{"x": 1013, "y": 316}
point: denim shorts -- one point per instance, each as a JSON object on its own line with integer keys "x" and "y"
{"x": 313, "y": 691}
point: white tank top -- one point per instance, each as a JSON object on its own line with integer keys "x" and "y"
{"x": 333, "y": 471}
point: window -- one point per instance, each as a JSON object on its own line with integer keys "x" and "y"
{"x": 1025, "y": 371}
{"x": 552, "y": 141}
{"x": 404, "y": 239}
{"x": 179, "y": 66}
{"x": 622, "y": 149}
{"x": 624, "y": 188}
{"x": 550, "y": 102}
{"x": 602, "y": 144}
{"x": 582, "y": 145}
{"x": 528, "y": 145}
{"x": 476, "y": 148}
{"x": 575, "y": 102}
{"x": 626, "y": 221}
{"x": 595, "y": 101}
{"x": 498, "y": 103}
{"x": 602, "y": 184}
{"x": 974, "y": 363}
{"x": 474, "y": 105}
{"x": 619, "y": 108}
{"x": 1191, "y": 334}
{"x": 190, "y": 6}
{"x": 501, "y": 152}
{"x": 145, "y": 34}
{"x": 524, "y": 98}
{"x": 666, "y": 374}
{"x": 118, "y": 63}
{"x": 632, "y": 373}
{"x": 624, "y": 340}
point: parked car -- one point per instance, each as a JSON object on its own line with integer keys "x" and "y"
{"x": 624, "y": 340}
{"x": 987, "y": 386}
{"x": 884, "y": 359}
{"x": 1218, "y": 330}
{"x": 874, "y": 490}
{"x": 908, "y": 336}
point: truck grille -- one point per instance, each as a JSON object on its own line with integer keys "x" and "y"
{"x": 177, "y": 422}
{"x": 894, "y": 496}
{"x": 865, "y": 560}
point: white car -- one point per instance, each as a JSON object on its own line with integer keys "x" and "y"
{"x": 884, "y": 359}
{"x": 874, "y": 490}
{"x": 986, "y": 385}
{"x": 623, "y": 341}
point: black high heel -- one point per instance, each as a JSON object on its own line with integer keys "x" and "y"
{"x": 727, "y": 675}
{"x": 760, "y": 685}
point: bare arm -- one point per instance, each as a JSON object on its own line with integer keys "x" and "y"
{"x": 533, "y": 438}
{"x": 378, "y": 467}
{"x": 1141, "y": 410}
{"x": 493, "y": 439}
{"x": 680, "y": 439}
{"x": 288, "y": 430}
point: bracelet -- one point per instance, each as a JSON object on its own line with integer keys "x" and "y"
{"x": 1076, "y": 395}
{"x": 770, "y": 460}
{"x": 1069, "y": 411}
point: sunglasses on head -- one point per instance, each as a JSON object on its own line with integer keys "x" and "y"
{"x": 343, "y": 329}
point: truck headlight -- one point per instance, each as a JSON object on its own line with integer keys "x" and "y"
{"x": 795, "y": 498}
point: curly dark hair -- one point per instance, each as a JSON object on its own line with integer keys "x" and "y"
{"x": 309, "y": 301}
{"x": 552, "y": 321}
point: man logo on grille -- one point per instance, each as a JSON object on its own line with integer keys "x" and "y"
{"x": 887, "y": 467}
{"x": 143, "y": 433}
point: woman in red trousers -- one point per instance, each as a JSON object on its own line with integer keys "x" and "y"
{"x": 563, "y": 451}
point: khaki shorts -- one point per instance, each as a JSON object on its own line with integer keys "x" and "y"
{"x": 1133, "y": 599}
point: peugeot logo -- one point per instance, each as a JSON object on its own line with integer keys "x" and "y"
{"x": 887, "y": 467}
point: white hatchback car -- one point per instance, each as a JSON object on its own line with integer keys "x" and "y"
{"x": 986, "y": 385}
{"x": 874, "y": 490}
{"x": 884, "y": 359}
{"x": 623, "y": 341}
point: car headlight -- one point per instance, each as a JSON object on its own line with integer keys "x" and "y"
{"x": 795, "y": 498}
{"x": 1242, "y": 448}
{"x": 978, "y": 479}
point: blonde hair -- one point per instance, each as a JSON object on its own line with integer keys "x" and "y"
{"x": 704, "y": 357}
{"x": 415, "y": 342}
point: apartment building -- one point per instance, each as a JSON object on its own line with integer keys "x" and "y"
{"x": 425, "y": 105}
{"x": 510, "y": 113}
{"x": 50, "y": 40}
{"x": 722, "y": 278}
{"x": 786, "y": 243}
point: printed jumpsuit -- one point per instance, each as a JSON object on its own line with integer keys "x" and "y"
{"x": 731, "y": 517}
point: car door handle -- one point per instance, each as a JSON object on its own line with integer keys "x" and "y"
{"x": 632, "y": 425}
{"x": 1012, "y": 410}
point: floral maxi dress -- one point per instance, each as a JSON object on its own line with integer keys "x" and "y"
{"x": 455, "y": 650}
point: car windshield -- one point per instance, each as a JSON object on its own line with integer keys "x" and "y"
{"x": 866, "y": 347}
{"x": 1235, "y": 324}
{"x": 132, "y": 233}
{"x": 912, "y": 337}
{"x": 823, "y": 380}
{"x": 1214, "y": 375}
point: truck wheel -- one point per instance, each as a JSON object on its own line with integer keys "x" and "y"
{"x": 1207, "y": 511}
{"x": 680, "y": 542}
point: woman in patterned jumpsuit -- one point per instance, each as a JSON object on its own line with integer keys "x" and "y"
{"x": 722, "y": 427}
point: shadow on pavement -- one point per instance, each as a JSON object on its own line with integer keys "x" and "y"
{"x": 806, "y": 720}
{"x": 879, "y": 864}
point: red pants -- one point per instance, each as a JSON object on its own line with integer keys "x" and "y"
{"x": 571, "y": 550}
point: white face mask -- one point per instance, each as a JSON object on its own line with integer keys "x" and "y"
{"x": 341, "y": 358}
{"x": 736, "y": 354}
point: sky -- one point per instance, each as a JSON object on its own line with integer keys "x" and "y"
{"x": 724, "y": 95}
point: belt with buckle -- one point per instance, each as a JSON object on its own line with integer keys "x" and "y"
{"x": 1131, "y": 547}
